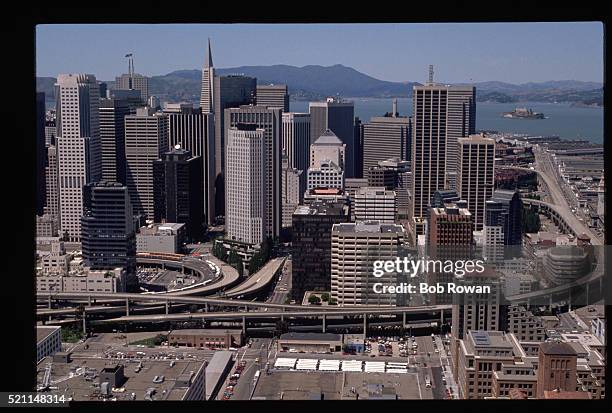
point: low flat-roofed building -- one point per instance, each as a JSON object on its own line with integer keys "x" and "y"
{"x": 48, "y": 341}
{"x": 209, "y": 338}
{"x": 310, "y": 342}
{"x": 518, "y": 376}
{"x": 354, "y": 342}
{"x": 165, "y": 238}
{"x": 81, "y": 379}
{"x": 100, "y": 281}
{"x": 216, "y": 371}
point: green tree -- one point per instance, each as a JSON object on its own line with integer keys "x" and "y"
{"x": 313, "y": 299}
{"x": 325, "y": 297}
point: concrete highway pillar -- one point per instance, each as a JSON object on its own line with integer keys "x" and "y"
{"x": 282, "y": 317}
{"x": 324, "y": 323}
{"x": 365, "y": 325}
{"x": 587, "y": 294}
{"x": 569, "y": 301}
{"x": 49, "y": 301}
{"x": 244, "y": 325}
{"x": 84, "y": 324}
{"x": 89, "y": 300}
{"x": 167, "y": 307}
{"x": 205, "y": 307}
{"x": 127, "y": 306}
{"x": 403, "y": 319}
{"x": 550, "y": 302}
{"x": 441, "y": 317}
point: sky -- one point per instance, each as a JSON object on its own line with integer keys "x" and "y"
{"x": 460, "y": 52}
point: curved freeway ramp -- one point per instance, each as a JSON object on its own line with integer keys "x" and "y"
{"x": 259, "y": 280}
{"x": 228, "y": 276}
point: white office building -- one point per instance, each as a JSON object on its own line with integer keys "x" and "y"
{"x": 246, "y": 216}
{"x": 78, "y": 146}
{"x": 375, "y": 203}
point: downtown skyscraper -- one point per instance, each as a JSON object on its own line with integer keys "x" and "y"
{"x": 146, "y": 139}
{"x": 78, "y": 146}
{"x": 476, "y": 174}
{"x": 247, "y": 214}
{"x": 112, "y": 138}
{"x": 441, "y": 115}
{"x": 207, "y": 97}
{"x": 268, "y": 119}
{"x": 339, "y": 117}
{"x": 194, "y": 131}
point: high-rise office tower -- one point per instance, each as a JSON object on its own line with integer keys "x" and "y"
{"x": 178, "y": 190}
{"x": 112, "y": 138}
{"x": 393, "y": 174}
{"x": 229, "y": 92}
{"x": 450, "y": 226}
{"x": 476, "y": 174}
{"x": 41, "y": 153}
{"x": 195, "y": 132}
{"x": 273, "y": 96}
{"x": 358, "y": 133}
{"x": 207, "y": 96}
{"x": 441, "y": 115}
{"x": 247, "y": 215}
{"x": 268, "y": 119}
{"x": 385, "y": 137}
{"x": 460, "y": 122}
{"x": 376, "y": 204}
{"x": 291, "y": 196}
{"x": 133, "y": 81}
{"x": 296, "y": 142}
{"x": 52, "y": 182}
{"x": 337, "y": 116}
{"x": 557, "y": 367}
{"x": 503, "y": 219}
{"x": 146, "y": 139}
{"x": 78, "y": 146}
{"x": 108, "y": 227}
{"x": 311, "y": 246}
{"x": 354, "y": 249}
{"x": 327, "y": 162}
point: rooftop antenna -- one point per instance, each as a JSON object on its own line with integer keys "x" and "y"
{"x": 431, "y": 73}
{"x": 394, "y": 107}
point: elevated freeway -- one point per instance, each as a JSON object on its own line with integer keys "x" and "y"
{"x": 258, "y": 281}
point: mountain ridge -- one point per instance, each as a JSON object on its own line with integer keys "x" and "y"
{"x": 314, "y": 82}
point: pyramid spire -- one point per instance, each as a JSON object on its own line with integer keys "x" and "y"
{"x": 208, "y": 62}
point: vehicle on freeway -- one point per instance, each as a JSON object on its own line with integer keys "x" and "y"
{"x": 427, "y": 382}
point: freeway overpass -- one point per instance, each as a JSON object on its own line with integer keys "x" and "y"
{"x": 559, "y": 207}
{"x": 258, "y": 281}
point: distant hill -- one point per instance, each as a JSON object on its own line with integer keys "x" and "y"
{"x": 315, "y": 82}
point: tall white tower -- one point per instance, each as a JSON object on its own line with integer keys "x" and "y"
{"x": 78, "y": 146}
{"x": 207, "y": 97}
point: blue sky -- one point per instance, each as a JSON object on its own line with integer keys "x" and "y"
{"x": 509, "y": 52}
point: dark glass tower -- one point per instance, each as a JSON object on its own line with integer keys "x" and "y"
{"x": 177, "y": 191}
{"x": 108, "y": 233}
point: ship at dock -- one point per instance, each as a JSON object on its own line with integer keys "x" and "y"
{"x": 523, "y": 113}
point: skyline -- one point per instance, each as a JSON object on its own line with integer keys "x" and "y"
{"x": 545, "y": 51}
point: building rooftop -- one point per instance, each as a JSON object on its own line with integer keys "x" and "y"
{"x": 566, "y": 395}
{"x": 557, "y": 349}
{"x": 311, "y": 336}
{"x": 80, "y": 379}
{"x": 368, "y": 227}
{"x": 328, "y": 138}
